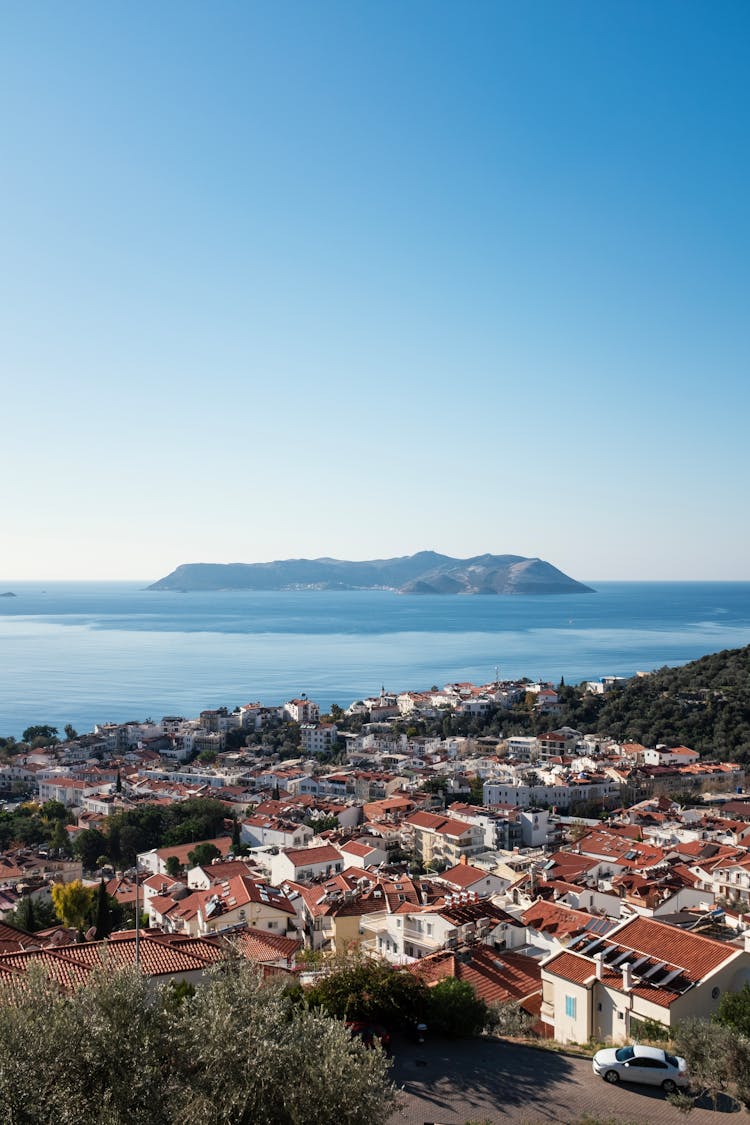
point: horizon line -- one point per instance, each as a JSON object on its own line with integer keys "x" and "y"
{"x": 41, "y": 581}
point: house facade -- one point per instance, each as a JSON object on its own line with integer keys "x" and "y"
{"x": 599, "y": 986}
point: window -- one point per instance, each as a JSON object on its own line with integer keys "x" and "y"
{"x": 570, "y": 1007}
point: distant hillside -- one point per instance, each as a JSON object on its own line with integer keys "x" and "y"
{"x": 704, "y": 705}
{"x": 423, "y": 573}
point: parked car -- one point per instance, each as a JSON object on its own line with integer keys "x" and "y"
{"x": 370, "y": 1033}
{"x": 635, "y": 1063}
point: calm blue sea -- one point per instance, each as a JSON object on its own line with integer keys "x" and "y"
{"x": 93, "y": 652}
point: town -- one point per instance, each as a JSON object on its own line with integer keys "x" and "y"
{"x": 592, "y": 884}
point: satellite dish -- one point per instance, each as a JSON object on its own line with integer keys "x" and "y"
{"x": 58, "y": 938}
{"x": 90, "y": 933}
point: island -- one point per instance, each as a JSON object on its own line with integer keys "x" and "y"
{"x": 8, "y": 594}
{"x": 426, "y": 572}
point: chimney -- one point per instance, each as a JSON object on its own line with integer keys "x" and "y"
{"x": 598, "y": 963}
{"x": 627, "y": 978}
{"x": 463, "y": 859}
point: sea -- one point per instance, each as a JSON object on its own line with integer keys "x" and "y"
{"x": 91, "y": 652}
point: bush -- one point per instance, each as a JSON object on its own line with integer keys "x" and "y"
{"x": 734, "y": 1011}
{"x": 364, "y": 988}
{"x": 454, "y": 1009}
{"x": 237, "y": 1052}
{"x": 651, "y": 1030}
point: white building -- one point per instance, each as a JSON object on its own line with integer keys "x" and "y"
{"x": 301, "y": 710}
{"x": 306, "y": 864}
{"x": 316, "y": 738}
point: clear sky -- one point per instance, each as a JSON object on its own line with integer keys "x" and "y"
{"x": 359, "y": 279}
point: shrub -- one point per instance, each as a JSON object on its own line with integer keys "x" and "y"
{"x": 455, "y": 1009}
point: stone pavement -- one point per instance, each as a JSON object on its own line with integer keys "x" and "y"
{"x": 454, "y": 1082}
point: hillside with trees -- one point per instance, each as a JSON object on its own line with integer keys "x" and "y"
{"x": 704, "y": 705}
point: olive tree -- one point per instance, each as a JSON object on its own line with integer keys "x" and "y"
{"x": 88, "y": 1055}
{"x": 718, "y": 1059}
{"x": 251, "y": 1056}
{"x": 120, "y": 1050}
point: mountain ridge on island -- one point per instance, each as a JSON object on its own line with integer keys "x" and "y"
{"x": 426, "y": 572}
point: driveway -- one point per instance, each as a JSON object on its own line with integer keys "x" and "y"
{"x": 485, "y": 1080}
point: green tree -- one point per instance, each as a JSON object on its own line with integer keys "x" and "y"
{"x": 223, "y": 1056}
{"x": 202, "y": 855}
{"x": 59, "y": 839}
{"x": 364, "y": 988}
{"x": 734, "y": 1011}
{"x": 244, "y": 1079}
{"x": 88, "y": 846}
{"x": 437, "y": 865}
{"x": 715, "y": 1055}
{"x": 54, "y": 810}
{"x": 455, "y": 1009}
{"x": 132, "y": 840}
{"x": 42, "y": 731}
{"x": 173, "y": 866}
{"x": 24, "y": 915}
{"x": 436, "y": 785}
{"x": 103, "y": 916}
{"x": 321, "y": 823}
{"x": 476, "y": 797}
{"x": 70, "y": 732}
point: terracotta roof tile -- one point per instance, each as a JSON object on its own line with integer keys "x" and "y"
{"x": 569, "y": 966}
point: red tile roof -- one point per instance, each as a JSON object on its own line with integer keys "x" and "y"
{"x": 262, "y": 947}
{"x": 62, "y": 968}
{"x": 549, "y": 918}
{"x": 496, "y": 976}
{"x": 463, "y": 875}
{"x": 157, "y": 958}
{"x": 12, "y": 940}
{"x": 445, "y": 826}
{"x": 569, "y": 966}
{"x": 696, "y": 954}
{"x": 302, "y": 856}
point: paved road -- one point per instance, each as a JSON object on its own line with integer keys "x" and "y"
{"x": 452, "y": 1083}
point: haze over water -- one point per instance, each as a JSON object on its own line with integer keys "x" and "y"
{"x": 94, "y": 652}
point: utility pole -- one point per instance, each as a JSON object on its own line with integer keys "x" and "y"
{"x": 137, "y": 922}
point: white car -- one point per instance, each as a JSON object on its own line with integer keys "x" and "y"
{"x": 634, "y": 1063}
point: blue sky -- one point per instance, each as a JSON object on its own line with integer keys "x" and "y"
{"x": 361, "y": 279}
